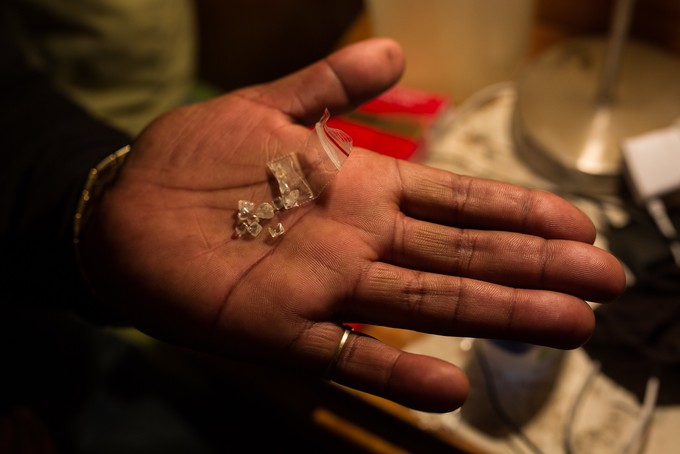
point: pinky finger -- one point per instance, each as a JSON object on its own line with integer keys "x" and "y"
{"x": 419, "y": 382}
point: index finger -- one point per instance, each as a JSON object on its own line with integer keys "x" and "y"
{"x": 446, "y": 198}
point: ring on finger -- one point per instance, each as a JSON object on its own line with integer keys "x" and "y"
{"x": 338, "y": 351}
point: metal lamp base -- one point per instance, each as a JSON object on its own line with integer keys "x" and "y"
{"x": 564, "y": 132}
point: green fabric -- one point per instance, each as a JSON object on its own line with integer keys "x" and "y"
{"x": 126, "y": 61}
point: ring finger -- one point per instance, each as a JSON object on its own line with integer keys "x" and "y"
{"x": 455, "y": 306}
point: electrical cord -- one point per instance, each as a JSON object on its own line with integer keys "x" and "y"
{"x": 568, "y": 427}
{"x": 644, "y": 422}
{"x": 638, "y": 433}
{"x": 641, "y": 428}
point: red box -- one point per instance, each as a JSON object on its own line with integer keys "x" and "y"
{"x": 395, "y": 123}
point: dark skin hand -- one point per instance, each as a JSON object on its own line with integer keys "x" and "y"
{"x": 389, "y": 242}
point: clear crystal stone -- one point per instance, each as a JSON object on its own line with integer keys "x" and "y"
{"x": 254, "y": 229}
{"x": 278, "y": 171}
{"x": 278, "y": 203}
{"x": 290, "y": 198}
{"x": 277, "y": 230}
{"x": 290, "y": 177}
{"x": 246, "y": 206}
{"x": 241, "y": 229}
{"x": 265, "y": 211}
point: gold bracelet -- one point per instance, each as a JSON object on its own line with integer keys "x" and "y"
{"x": 97, "y": 181}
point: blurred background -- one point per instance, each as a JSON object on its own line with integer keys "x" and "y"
{"x": 241, "y": 44}
{"x": 477, "y": 65}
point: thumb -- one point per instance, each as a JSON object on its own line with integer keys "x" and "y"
{"x": 339, "y": 82}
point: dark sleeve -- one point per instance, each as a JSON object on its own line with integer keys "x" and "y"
{"x": 47, "y": 146}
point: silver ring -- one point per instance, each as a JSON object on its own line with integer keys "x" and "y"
{"x": 338, "y": 351}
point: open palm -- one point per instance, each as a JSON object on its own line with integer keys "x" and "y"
{"x": 389, "y": 242}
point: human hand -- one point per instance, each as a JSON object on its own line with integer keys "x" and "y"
{"x": 388, "y": 243}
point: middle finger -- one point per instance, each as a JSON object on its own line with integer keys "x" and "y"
{"x": 505, "y": 258}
